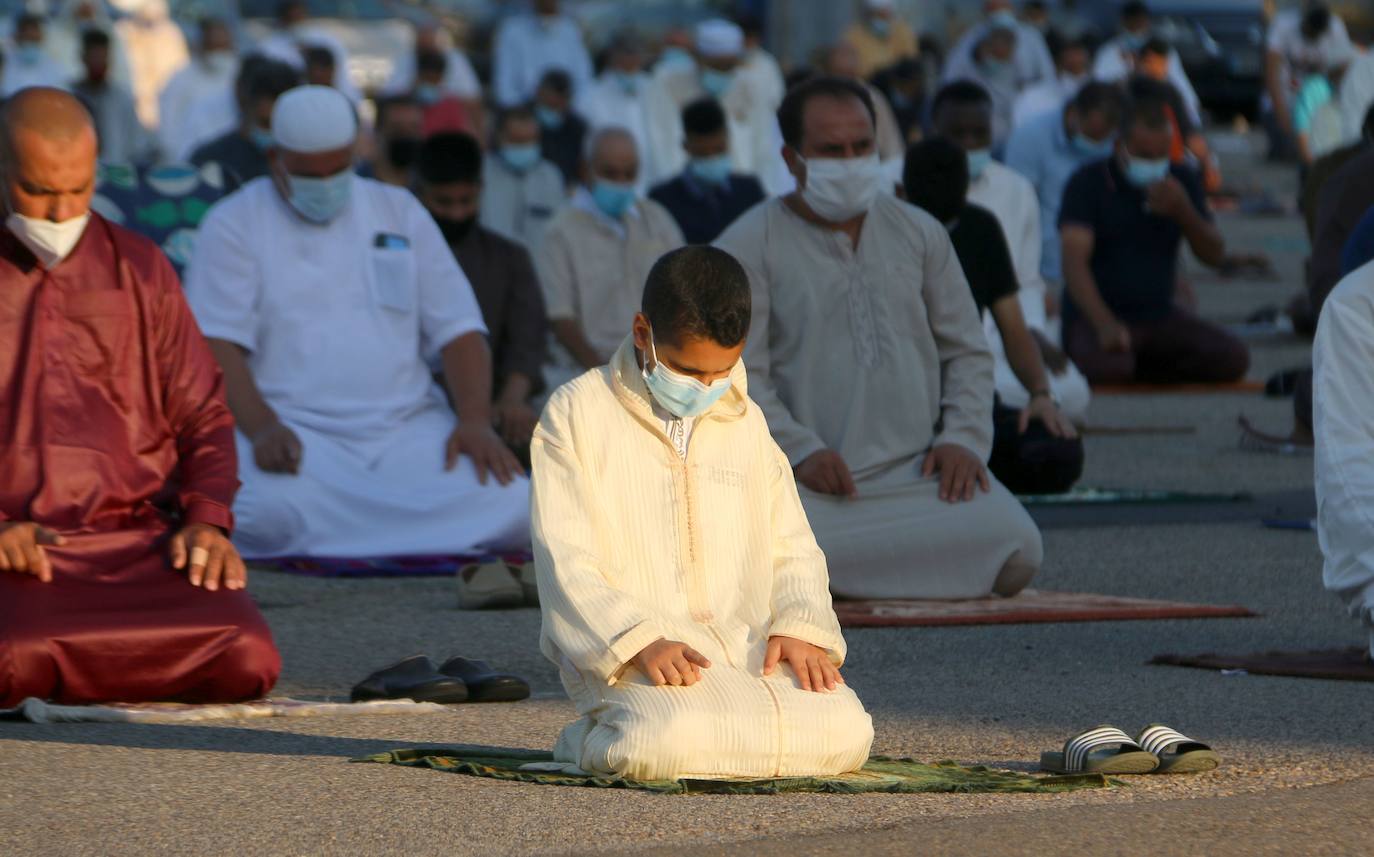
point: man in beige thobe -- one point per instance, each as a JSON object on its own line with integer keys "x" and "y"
{"x": 869, "y": 361}
{"x": 595, "y": 255}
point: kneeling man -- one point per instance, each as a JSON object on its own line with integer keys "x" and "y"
{"x": 685, "y": 600}
{"x": 328, "y": 299}
{"x": 117, "y": 581}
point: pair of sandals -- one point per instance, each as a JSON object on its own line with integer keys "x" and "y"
{"x": 1158, "y": 749}
{"x": 457, "y": 680}
{"x": 497, "y": 586}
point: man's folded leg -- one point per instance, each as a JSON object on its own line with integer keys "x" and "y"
{"x": 898, "y": 539}
{"x": 731, "y": 723}
{"x": 141, "y": 633}
{"x": 1185, "y": 349}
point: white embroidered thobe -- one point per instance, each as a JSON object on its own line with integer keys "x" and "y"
{"x": 877, "y": 353}
{"x": 343, "y": 325}
{"x": 1011, "y": 199}
{"x": 635, "y": 542}
{"x": 1343, "y": 407}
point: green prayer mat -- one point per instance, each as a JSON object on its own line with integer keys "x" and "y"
{"x": 881, "y": 774}
{"x": 1109, "y": 497}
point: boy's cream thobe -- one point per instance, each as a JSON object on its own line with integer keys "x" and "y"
{"x": 634, "y": 543}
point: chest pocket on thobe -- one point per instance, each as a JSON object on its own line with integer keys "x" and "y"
{"x": 393, "y": 278}
{"x": 97, "y": 330}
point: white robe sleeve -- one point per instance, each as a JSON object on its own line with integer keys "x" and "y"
{"x": 801, "y": 586}
{"x": 1357, "y": 94}
{"x": 597, "y": 626}
{"x": 1343, "y": 406}
{"x": 223, "y": 281}
{"x": 448, "y": 307}
{"x": 747, "y": 240}
{"x": 507, "y": 56}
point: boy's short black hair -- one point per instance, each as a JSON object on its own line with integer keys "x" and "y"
{"x": 698, "y": 292}
{"x": 94, "y": 38}
{"x": 557, "y": 81}
{"x": 791, "y": 114}
{"x": 451, "y": 158}
{"x": 702, "y": 117}
{"x": 935, "y": 178}
{"x": 262, "y": 77}
{"x": 962, "y": 93}
{"x": 318, "y": 56}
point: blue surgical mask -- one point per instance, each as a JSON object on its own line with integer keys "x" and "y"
{"x": 674, "y": 57}
{"x": 1142, "y": 172}
{"x": 716, "y": 82}
{"x": 714, "y": 170}
{"x": 1135, "y": 41}
{"x": 613, "y": 198}
{"x": 996, "y": 69}
{"x": 262, "y": 138}
{"x": 522, "y": 158}
{"x": 1004, "y": 18}
{"x": 1092, "y": 148}
{"x": 682, "y": 396}
{"x": 978, "y": 160}
{"x": 548, "y": 117}
{"x": 628, "y": 83}
{"x": 28, "y": 53}
{"x": 428, "y": 93}
{"x": 320, "y": 200}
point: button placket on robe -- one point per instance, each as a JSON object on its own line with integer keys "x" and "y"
{"x": 861, "y": 323}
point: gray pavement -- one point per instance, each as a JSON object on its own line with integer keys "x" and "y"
{"x": 1299, "y": 759}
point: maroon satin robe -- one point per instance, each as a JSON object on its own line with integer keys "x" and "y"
{"x": 114, "y": 432}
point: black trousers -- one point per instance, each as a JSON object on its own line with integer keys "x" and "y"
{"x": 1035, "y": 462}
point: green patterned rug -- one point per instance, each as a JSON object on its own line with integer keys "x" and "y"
{"x": 881, "y": 774}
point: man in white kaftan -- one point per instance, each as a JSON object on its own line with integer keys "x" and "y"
{"x": 327, "y": 299}
{"x": 963, "y": 113}
{"x": 869, "y": 361}
{"x": 672, "y": 550}
{"x": 1343, "y": 363}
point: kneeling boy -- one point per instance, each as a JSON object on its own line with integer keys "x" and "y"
{"x": 685, "y": 600}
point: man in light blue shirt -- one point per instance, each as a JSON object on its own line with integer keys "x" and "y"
{"x": 1049, "y": 149}
{"x": 528, "y": 45}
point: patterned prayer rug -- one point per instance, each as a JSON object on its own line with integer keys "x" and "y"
{"x": 1030, "y": 606}
{"x": 881, "y": 774}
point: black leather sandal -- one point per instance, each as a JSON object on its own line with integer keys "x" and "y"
{"x": 483, "y": 684}
{"x": 413, "y": 678}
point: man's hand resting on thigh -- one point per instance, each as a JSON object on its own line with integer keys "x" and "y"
{"x": 208, "y": 557}
{"x": 276, "y": 449}
{"x": 668, "y": 662}
{"x": 825, "y": 472}
{"x": 487, "y": 451}
{"x": 811, "y": 664}
{"x": 961, "y": 472}
{"x": 21, "y": 549}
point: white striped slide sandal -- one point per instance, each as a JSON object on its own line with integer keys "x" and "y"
{"x": 1177, "y": 753}
{"x": 1101, "y": 750}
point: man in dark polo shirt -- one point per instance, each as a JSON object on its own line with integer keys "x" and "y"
{"x": 1121, "y": 225}
{"x": 449, "y": 176}
{"x": 708, "y": 196}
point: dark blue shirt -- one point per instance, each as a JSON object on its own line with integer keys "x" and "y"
{"x": 1359, "y": 247}
{"x": 702, "y": 209}
{"x": 1135, "y": 253}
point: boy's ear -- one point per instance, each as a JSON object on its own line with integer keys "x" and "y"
{"x": 641, "y": 330}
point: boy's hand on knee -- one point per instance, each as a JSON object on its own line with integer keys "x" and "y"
{"x": 811, "y": 663}
{"x": 669, "y": 662}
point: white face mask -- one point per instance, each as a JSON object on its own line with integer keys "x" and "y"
{"x": 840, "y": 189}
{"x": 50, "y": 242}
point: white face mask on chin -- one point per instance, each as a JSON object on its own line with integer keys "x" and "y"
{"x": 50, "y": 242}
{"x": 840, "y": 189}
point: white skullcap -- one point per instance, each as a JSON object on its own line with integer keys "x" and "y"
{"x": 719, "y": 38}
{"x": 879, "y": 5}
{"x": 312, "y": 119}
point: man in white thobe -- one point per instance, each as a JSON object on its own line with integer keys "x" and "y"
{"x": 527, "y": 46}
{"x": 962, "y": 112}
{"x": 620, "y": 98}
{"x": 720, "y": 50}
{"x": 27, "y": 63}
{"x": 1072, "y": 61}
{"x": 205, "y": 85}
{"x": 868, "y": 359}
{"x": 683, "y": 594}
{"x": 521, "y": 191}
{"x": 594, "y": 255}
{"x": 1031, "y": 61}
{"x": 1343, "y": 396}
{"x": 1117, "y": 57}
{"x": 327, "y": 298}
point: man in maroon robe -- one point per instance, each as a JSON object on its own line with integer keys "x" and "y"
{"x": 117, "y": 464}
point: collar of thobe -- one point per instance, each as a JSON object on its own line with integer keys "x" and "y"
{"x": 633, "y": 393}
{"x": 582, "y": 200}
